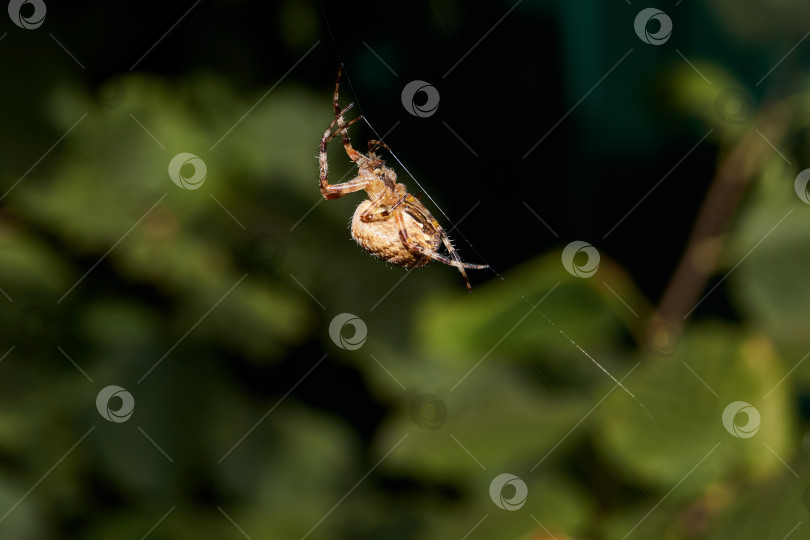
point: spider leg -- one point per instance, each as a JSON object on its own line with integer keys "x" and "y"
{"x": 455, "y": 261}
{"x": 373, "y": 145}
{"x": 337, "y": 91}
{"x": 354, "y": 155}
{"x": 331, "y": 133}
{"x": 419, "y": 207}
{"x": 335, "y": 191}
{"x": 377, "y": 210}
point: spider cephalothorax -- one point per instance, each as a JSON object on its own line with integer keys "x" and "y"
{"x": 391, "y": 224}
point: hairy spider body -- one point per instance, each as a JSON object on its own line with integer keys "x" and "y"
{"x": 382, "y": 238}
{"x": 391, "y": 224}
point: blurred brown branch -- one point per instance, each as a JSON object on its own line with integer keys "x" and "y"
{"x": 700, "y": 258}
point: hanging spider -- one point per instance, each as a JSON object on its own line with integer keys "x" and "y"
{"x": 391, "y": 224}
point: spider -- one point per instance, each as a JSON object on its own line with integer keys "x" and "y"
{"x": 391, "y": 224}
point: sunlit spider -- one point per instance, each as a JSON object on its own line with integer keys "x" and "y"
{"x": 392, "y": 224}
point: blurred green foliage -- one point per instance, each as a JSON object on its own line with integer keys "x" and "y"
{"x": 212, "y": 307}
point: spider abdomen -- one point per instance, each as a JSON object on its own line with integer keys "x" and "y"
{"x": 381, "y": 238}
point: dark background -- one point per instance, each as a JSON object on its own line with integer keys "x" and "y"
{"x": 212, "y": 306}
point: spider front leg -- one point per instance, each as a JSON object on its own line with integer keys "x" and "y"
{"x": 331, "y": 132}
{"x": 373, "y": 145}
{"x": 332, "y": 191}
{"x": 354, "y": 155}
